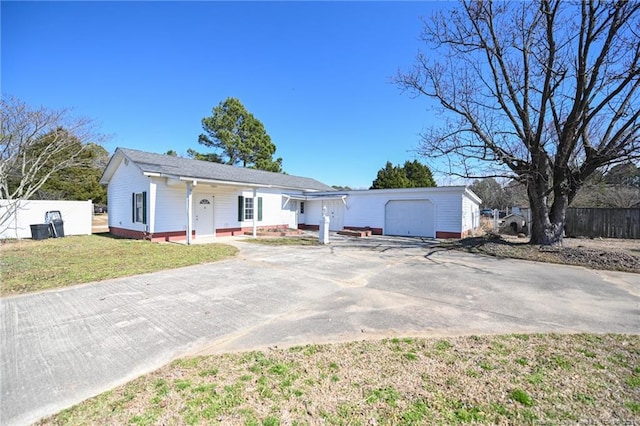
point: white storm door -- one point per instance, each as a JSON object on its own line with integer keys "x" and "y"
{"x": 335, "y": 210}
{"x": 293, "y": 215}
{"x": 203, "y": 220}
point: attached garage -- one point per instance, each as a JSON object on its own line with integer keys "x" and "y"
{"x": 438, "y": 212}
{"x": 409, "y": 218}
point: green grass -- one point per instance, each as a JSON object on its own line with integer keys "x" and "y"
{"x": 522, "y": 397}
{"x": 372, "y": 382}
{"x": 27, "y": 265}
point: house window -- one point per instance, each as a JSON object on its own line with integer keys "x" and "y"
{"x": 247, "y": 208}
{"x": 301, "y": 207}
{"x": 139, "y": 207}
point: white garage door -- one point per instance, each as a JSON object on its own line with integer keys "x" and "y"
{"x": 412, "y": 218}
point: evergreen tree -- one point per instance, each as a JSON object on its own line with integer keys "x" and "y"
{"x": 241, "y": 138}
{"x": 211, "y": 157}
{"x": 412, "y": 175}
{"x": 419, "y": 175}
{"x": 491, "y": 193}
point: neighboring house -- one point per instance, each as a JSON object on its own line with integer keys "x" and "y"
{"x": 160, "y": 197}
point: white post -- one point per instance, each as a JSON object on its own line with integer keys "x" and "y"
{"x": 323, "y": 233}
{"x": 189, "y": 211}
{"x": 255, "y": 212}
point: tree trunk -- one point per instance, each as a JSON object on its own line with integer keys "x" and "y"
{"x": 547, "y": 223}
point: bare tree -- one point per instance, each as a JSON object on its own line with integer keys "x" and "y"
{"x": 545, "y": 92}
{"x": 624, "y": 197}
{"x": 34, "y": 144}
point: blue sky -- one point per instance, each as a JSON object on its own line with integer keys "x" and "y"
{"x": 317, "y": 74}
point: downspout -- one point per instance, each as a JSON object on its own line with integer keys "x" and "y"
{"x": 255, "y": 212}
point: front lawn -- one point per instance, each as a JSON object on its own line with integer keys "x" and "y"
{"x": 27, "y": 265}
{"x": 512, "y": 379}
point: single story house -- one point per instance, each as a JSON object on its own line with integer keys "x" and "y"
{"x": 161, "y": 197}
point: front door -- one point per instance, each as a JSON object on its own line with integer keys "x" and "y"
{"x": 203, "y": 221}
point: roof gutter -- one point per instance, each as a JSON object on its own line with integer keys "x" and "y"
{"x": 221, "y": 182}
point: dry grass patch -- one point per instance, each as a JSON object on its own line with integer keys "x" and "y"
{"x": 29, "y": 265}
{"x": 607, "y": 254}
{"x": 285, "y": 241}
{"x": 512, "y": 379}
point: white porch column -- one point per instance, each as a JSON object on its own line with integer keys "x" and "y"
{"x": 189, "y": 211}
{"x": 255, "y": 213}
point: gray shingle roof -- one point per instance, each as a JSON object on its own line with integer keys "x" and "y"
{"x": 186, "y": 167}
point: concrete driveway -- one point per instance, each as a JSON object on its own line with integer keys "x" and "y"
{"x": 61, "y": 347}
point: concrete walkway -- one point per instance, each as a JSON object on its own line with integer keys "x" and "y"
{"x": 61, "y": 347}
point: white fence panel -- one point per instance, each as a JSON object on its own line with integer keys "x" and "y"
{"x": 76, "y": 215}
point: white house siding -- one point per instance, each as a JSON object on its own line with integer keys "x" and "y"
{"x": 126, "y": 180}
{"x": 312, "y": 214}
{"x": 169, "y": 207}
{"x": 76, "y": 216}
{"x": 470, "y": 215}
{"x": 448, "y": 211}
{"x": 365, "y": 211}
{"x": 225, "y": 206}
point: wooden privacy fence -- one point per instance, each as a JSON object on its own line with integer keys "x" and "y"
{"x": 603, "y": 222}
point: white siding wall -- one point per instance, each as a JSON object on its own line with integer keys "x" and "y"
{"x": 170, "y": 207}
{"x": 225, "y": 207}
{"x": 76, "y": 217}
{"x": 126, "y": 180}
{"x": 448, "y": 211}
{"x": 312, "y": 212}
{"x": 365, "y": 210}
{"x": 470, "y": 214}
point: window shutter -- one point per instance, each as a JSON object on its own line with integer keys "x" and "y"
{"x": 240, "y": 208}
{"x": 133, "y": 207}
{"x": 259, "y": 209}
{"x": 144, "y": 208}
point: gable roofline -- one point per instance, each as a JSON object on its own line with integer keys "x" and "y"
{"x": 461, "y": 189}
{"x": 186, "y": 169}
